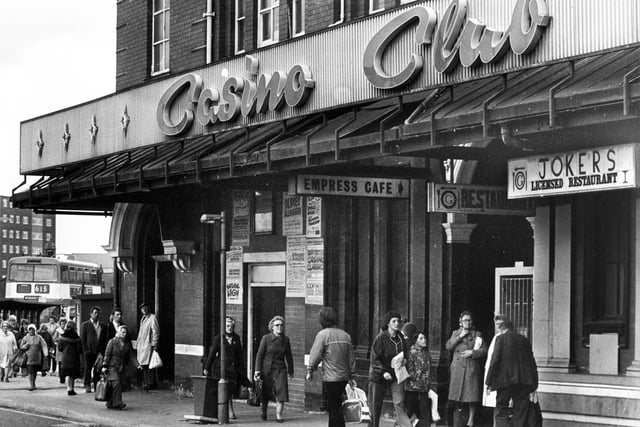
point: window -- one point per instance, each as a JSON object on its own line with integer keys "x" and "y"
{"x": 48, "y": 237}
{"x": 607, "y": 247}
{"x": 32, "y": 272}
{"x": 268, "y": 22}
{"x": 338, "y": 12}
{"x": 4, "y": 249}
{"x": 239, "y": 28}
{"x": 17, "y": 219}
{"x": 376, "y": 6}
{"x": 25, "y": 220}
{"x": 36, "y": 236}
{"x": 25, "y": 235}
{"x": 10, "y": 249}
{"x": 10, "y": 219}
{"x": 11, "y": 235}
{"x": 4, "y": 218}
{"x": 263, "y": 218}
{"x": 35, "y": 250}
{"x": 5, "y": 203}
{"x": 17, "y": 249}
{"x": 298, "y": 17}
{"x": 160, "y": 43}
{"x": 49, "y": 222}
{"x": 4, "y": 263}
{"x": 25, "y": 250}
{"x": 37, "y": 220}
{"x": 4, "y": 233}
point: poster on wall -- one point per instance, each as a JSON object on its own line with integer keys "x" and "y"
{"x": 314, "y": 216}
{"x": 292, "y": 224}
{"x": 315, "y": 271}
{"x": 296, "y": 266}
{"x": 241, "y": 216}
{"x": 234, "y": 275}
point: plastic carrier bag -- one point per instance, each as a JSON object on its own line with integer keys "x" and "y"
{"x": 356, "y": 408}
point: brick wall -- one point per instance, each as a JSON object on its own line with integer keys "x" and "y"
{"x": 188, "y": 36}
{"x": 132, "y": 54}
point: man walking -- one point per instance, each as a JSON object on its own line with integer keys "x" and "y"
{"x": 332, "y": 346}
{"x": 93, "y": 334}
{"x": 513, "y": 373}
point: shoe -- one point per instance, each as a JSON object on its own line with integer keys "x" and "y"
{"x": 280, "y": 420}
{"x": 232, "y": 416}
{"x": 44, "y": 374}
{"x": 263, "y": 416}
{"x": 31, "y": 388}
{"x": 71, "y": 393}
{"x": 6, "y": 380}
{"x": 121, "y": 406}
{"x": 415, "y": 422}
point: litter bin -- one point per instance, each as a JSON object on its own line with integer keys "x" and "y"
{"x": 205, "y": 396}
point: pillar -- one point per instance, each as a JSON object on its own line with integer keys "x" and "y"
{"x": 634, "y": 368}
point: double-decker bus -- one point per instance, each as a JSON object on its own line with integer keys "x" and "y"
{"x": 41, "y": 286}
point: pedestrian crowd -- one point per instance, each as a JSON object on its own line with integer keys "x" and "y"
{"x": 100, "y": 352}
{"x": 399, "y": 365}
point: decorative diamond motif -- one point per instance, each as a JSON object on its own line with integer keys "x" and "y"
{"x": 93, "y": 129}
{"x": 124, "y": 121}
{"x": 66, "y": 136}
{"x": 40, "y": 143}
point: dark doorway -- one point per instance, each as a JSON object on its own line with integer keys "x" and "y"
{"x": 267, "y": 303}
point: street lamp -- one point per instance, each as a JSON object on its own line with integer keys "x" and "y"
{"x": 223, "y": 384}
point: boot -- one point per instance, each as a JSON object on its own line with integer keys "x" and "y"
{"x": 263, "y": 415}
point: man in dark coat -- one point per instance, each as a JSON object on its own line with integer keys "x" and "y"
{"x": 513, "y": 373}
{"x": 93, "y": 334}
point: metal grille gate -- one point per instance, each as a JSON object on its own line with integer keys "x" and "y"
{"x": 514, "y": 296}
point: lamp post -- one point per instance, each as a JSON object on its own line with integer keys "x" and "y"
{"x": 223, "y": 384}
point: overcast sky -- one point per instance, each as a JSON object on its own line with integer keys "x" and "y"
{"x": 54, "y": 54}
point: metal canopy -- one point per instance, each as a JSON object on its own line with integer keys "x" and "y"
{"x": 536, "y": 109}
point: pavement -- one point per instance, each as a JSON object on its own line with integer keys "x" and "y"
{"x": 144, "y": 409}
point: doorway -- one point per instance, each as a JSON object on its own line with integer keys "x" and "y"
{"x": 265, "y": 300}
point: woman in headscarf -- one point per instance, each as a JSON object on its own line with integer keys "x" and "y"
{"x": 35, "y": 347}
{"x": 234, "y": 362}
{"x": 56, "y": 337}
{"x": 46, "y": 336}
{"x": 8, "y": 346}
{"x": 273, "y": 362}
{"x": 70, "y": 345}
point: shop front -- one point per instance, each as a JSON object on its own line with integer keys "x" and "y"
{"x": 384, "y": 176}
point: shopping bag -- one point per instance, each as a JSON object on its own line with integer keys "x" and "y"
{"x": 101, "y": 390}
{"x": 19, "y": 359}
{"x": 398, "y": 366}
{"x": 433, "y": 396}
{"x": 255, "y": 394}
{"x": 355, "y": 394}
{"x": 155, "y": 362}
{"x": 352, "y": 411}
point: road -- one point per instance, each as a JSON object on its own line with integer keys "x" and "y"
{"x": 13, "y": 418}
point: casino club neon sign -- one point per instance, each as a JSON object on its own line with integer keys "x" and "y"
{"x": 456, "y": 40}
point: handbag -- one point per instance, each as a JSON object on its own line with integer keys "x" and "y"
{"x": 101, "y": 390}
{"x": 255, "y": 394}
{"x": 534, "y": 418}
{"x": 19, "y": 359}
{"x": 355, "y": 409}
{"x": 155, "y": 361}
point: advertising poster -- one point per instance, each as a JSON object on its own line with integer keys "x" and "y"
{"x": 296, "y": 266}
{"x": 234, "y": 275}
{"x": 314, "y": 216}
{"x": 292, "y": 215}
{"x": 315, "y": 271}
{"x": 241, "y": 216}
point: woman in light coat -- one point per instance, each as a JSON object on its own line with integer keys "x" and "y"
{"x": 147, "y": 343}
{"x": 8, "y": 346}
{"x": 35, "y": 347}
{"x": 468, "y": 347}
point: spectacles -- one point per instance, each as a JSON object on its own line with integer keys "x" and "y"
{"x": 278, "y": 325}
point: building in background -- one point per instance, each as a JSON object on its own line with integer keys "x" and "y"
{"x": 24, "y": 232}
{"x": 371, "y": 155}
{"x": 104, "y": 260}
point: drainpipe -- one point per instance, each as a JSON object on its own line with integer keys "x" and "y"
{"x": 209, "y": 14}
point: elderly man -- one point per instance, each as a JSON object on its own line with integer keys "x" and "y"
{"x": 513, "y": 373}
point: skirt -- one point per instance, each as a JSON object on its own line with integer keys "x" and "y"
{"x": 276, "y": 386}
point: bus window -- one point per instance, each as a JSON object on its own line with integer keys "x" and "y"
{"x": 64, "y": 273}
{"x": 45, "y": 273}
{"x": 72, "y": 274}
{"x": 21, "y": 273}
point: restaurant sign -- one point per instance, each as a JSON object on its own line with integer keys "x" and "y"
{"x": 594, "y": 169}
{"x": 475, "y": 199}
{"x": 388, "y": 188}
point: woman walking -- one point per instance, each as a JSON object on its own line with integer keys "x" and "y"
{"x": 420, "y": 381}
{"x": 70, "y": 346}
{"x": 465, "y": 387}
{"x": 234, "y": 372}
{"x": 8, "y": 347}
{"x": 35, "y": 347}
{"x": 56, "y": 337}
{"x": 273, "y": 362}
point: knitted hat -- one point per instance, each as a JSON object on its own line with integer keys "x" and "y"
{"x": 409, "y": 330}
{"x": 31, "y": 325}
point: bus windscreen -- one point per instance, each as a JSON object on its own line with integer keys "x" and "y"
{"x": 33, "y": 273}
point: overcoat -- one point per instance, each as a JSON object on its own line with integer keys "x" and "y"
{"x": 512, "y": 363}
{"x": 465, "y": 384}
{"x": 234, "y": 358}
{"x": 274, "y": 360}
{"x": 148, "y": 337}
{"x": 8, "y": 346}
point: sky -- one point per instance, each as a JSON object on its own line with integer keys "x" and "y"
{"x": 54, "y": 54}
